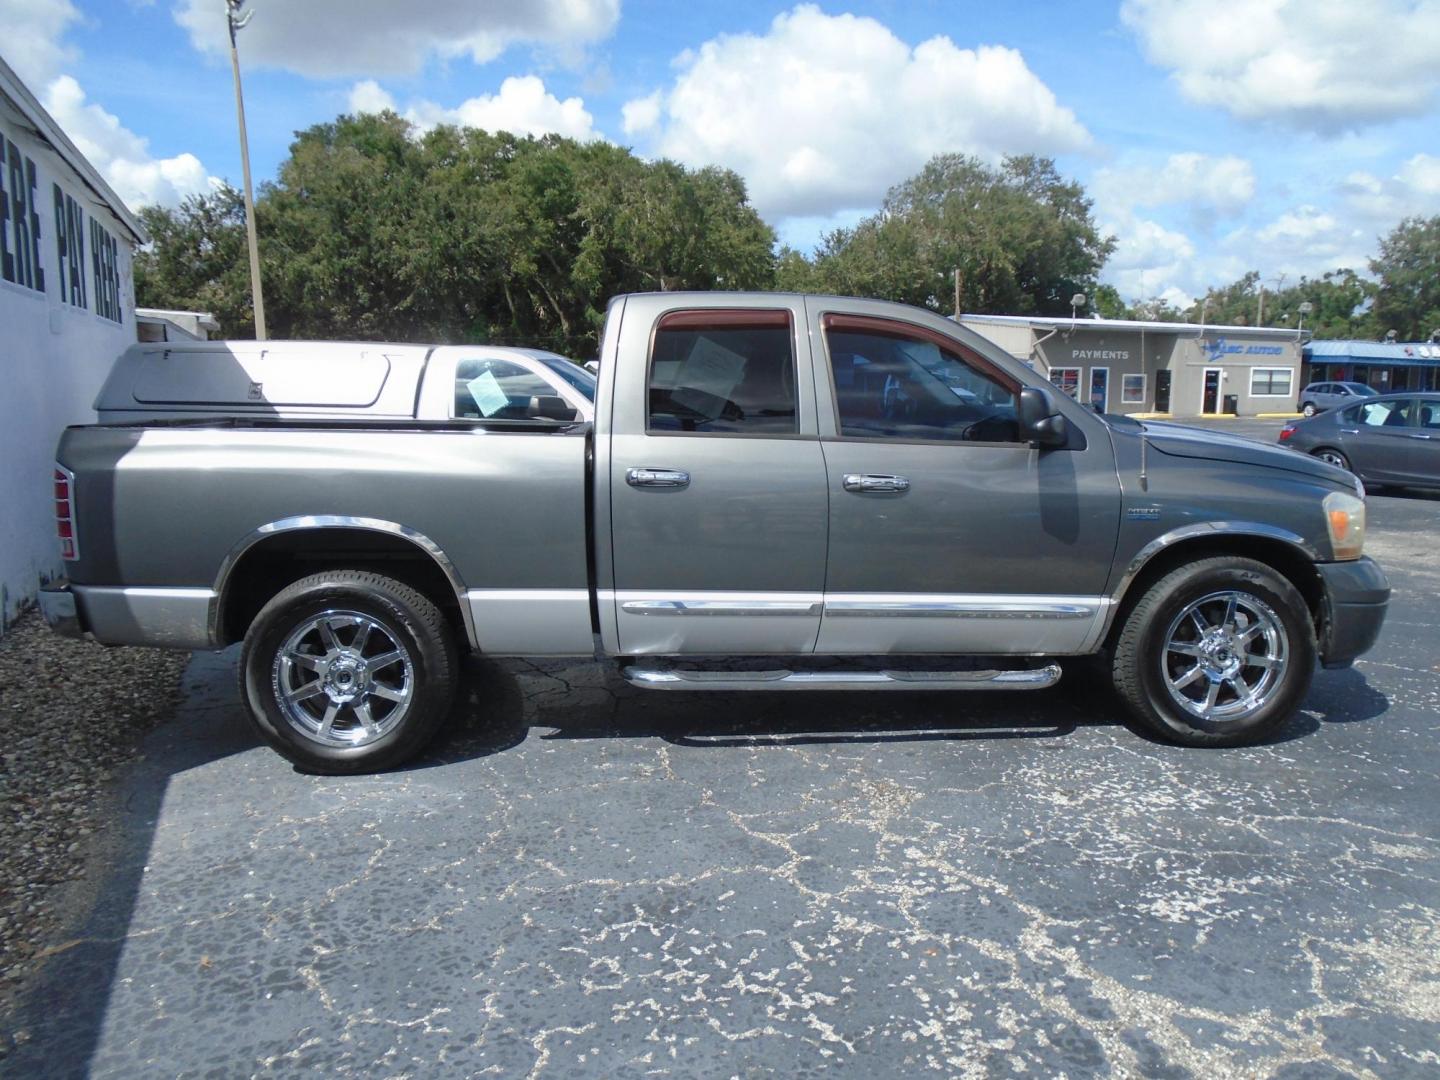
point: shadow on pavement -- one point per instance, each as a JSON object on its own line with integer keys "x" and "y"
{"x": 62, "y": 1010}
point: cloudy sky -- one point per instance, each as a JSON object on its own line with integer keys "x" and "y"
{"x": 1216, "y": 136}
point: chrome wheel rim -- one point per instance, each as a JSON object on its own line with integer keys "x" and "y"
{"x": 343, "y": 679}
{"x": 1330, "y": 457}
{"x": 1224, "y": 656}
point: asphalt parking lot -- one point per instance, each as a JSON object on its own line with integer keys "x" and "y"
{"x": 584, "y": 880}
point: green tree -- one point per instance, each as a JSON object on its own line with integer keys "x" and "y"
{"x": 372, "y": 232}
{"x": 196, "y": 260}
{"x": 1408, "y": 266}
{"x": 1339, "y": 299}
{"x": 1022, "y": 237}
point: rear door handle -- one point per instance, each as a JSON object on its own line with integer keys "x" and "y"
{"x": 1420, "y": 435}
{"x": 659, "y": 478}
{"x": 875, "y": 482}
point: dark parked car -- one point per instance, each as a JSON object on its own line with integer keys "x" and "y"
{"x": 1320, "y": 396}
{"x": 1387, "y": 439}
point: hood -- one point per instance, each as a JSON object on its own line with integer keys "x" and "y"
{"x": 1179, "y": 441}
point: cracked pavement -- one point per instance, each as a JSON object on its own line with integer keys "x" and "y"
{"x": 587, "y": 880}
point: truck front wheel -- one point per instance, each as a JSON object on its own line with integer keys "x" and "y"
{"x": 1216, "y": 653}
{"x": 348, "y": 671}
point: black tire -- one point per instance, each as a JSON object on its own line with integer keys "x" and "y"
{"x": 283, "y": 645}
{"x": 1140, "y": 660}
{"x": 1308, "y": 409}
{"x": 1332, "y": 456}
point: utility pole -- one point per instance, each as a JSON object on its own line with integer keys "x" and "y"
{"x": 1260, "y": 315}
{"x": 237, "y": 23}
{"x": 957, "y": 294}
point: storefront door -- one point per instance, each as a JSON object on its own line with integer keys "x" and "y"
{"x": 1210, "y": 402}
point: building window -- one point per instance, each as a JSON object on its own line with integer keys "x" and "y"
{"x": 717, "y": 371}
{"x": 1132, "y": 390}
{"x": 1067, "y": 379}
{"x": 1271, "y": 382}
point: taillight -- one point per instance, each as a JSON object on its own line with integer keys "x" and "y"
{"x": 65, "y": 515}
{"x": 1285, "y": 433}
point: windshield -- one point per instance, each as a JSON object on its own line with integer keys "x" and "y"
{"x": 572, "y": 373}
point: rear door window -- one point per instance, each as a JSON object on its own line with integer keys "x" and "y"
{"x": 723, "y": 372}
{"x": 1383, "y": 413}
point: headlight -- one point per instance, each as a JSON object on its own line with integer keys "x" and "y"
{"x": 1345, "y": 519}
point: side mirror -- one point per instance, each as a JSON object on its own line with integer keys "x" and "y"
{"x": 1041, "y": 423}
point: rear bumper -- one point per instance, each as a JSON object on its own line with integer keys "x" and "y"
{"x": 166, "y": 618}
{"x": 57, "y": 605}
{"x": 1357, "y": 595}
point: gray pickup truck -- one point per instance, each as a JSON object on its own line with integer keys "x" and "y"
{"x": 770, "y": 492}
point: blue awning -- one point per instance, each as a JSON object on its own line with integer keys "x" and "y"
{"x": 1374, "y": 353}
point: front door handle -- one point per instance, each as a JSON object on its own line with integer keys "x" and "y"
{"x": 659, "y": 478}
{"x": 1420, "y": 435}
{"x": 876, "y": 482}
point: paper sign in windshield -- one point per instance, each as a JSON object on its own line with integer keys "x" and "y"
{"x": 487, "y": 394}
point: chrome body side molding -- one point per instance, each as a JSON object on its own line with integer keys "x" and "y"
{"x": 531, "y": 622}
{"x": 748, "y": 606}
{"x": 975, "y": 624}
{"x": 338, "y": 521}
{"x": 715, "y": 623}
{"x": 983, "y": 606}
{"x": 783, "y": 679}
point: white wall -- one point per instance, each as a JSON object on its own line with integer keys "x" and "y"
{"x": 53, "y": 358}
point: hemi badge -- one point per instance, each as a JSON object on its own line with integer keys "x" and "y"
{"x": 1143, "y": 513}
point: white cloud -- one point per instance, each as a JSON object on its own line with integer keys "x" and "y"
{"x": 1413, "y": 191}
{"x": 370, "y": 97}
{"x": 1321, "y": 65}
{"x": 641, "y": 115}
{"x": 325, "y": 38}
{"x": 1223, "y": 185}
{"x": 34, "y": 30}
{"x": 1306, "y": 240}
{"x": 123, "y": 157}
{"x": 1149, "y": 259}
{"x": 1422, "y": 174}
{"x": 522, "y": 107}
{"x": 824, "y": 113}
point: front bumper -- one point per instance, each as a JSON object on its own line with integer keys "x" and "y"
{"x": 1357, "y": 595}
{"x": 57, "y": 604}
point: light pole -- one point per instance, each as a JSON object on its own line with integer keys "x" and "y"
{"x": 1305, "y": 308}
{"x": 237, "y": 22}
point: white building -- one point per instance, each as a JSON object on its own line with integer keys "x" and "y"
{"x": 67, "y": 309}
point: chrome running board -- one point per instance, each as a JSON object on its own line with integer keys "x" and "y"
{"x": 782, "y": 679}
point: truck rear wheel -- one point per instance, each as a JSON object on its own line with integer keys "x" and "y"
{"x": 1216, "y": 653}
{"x": 348, "y": 671}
